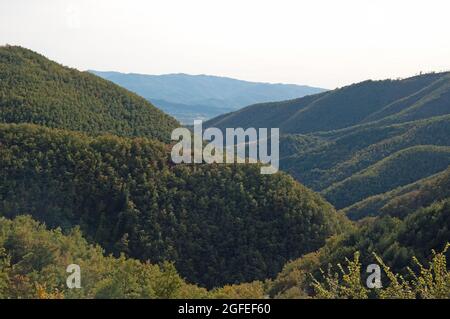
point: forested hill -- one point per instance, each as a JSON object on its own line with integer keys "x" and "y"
{"x": 219, "y": 223}
{"x": 36, "y": 90}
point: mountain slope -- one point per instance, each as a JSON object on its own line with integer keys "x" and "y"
{"x": 189, "y": 97}
{"x": 36, "y": 90}
{"x": 352, "y": 105}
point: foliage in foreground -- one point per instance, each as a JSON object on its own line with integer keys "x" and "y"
{"x": 33, "y": 262}
{"x": 432, "y": 282}
{"x": 396, "y": 241}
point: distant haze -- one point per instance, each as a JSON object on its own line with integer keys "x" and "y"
{"x": 188, "y": 97}
{"x": 322, "y": 43}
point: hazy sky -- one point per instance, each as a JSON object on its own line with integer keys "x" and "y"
{"x": 325, "y": 43}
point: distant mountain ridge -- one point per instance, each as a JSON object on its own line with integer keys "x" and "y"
{"x": 389, "y": 101}
{"x": 188, "y": 97}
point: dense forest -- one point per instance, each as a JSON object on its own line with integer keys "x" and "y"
{"x": 219, "y": 224}
{"x": 394, "y": 170}
{"x": 86, "y": 178}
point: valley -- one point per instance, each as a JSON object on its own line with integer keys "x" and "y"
{"x": 87, "y": 178}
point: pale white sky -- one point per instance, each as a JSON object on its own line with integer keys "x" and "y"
{"x": 325, "y": 43}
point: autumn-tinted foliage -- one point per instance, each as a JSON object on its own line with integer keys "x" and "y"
{"x": 33, "y": 262}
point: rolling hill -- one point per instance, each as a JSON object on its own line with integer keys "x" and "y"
{"x": 188, "y": 97}
{"x": 90, "y": 161}
{"x": 36, "y": 90}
